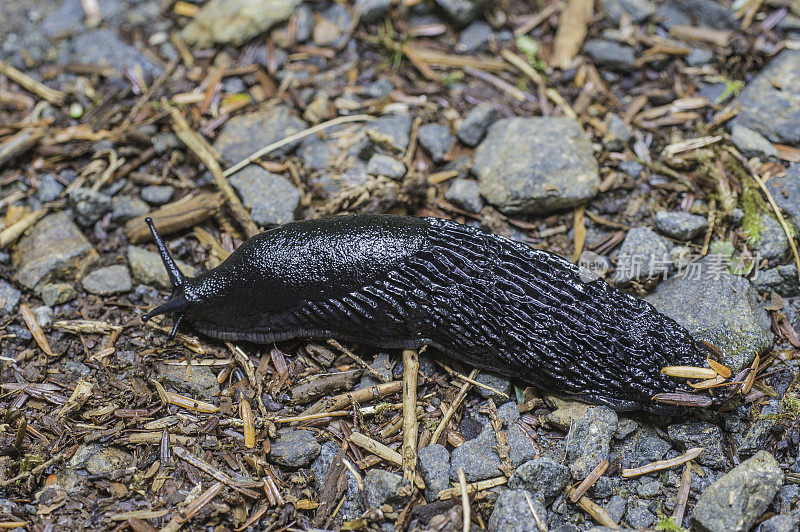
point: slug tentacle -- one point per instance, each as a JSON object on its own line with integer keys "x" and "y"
{"x": 489, "y": 301}
{"x": 176, "y": 276}
{"x": 178, "y": 303}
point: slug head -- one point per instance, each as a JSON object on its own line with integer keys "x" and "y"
{"x": 177, "y": 303}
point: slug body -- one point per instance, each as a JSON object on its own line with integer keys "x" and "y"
{"x": 404, "y": 282}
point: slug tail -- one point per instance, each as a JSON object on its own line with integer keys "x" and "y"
{"x": 176, "y": 276}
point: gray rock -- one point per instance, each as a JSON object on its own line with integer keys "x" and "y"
{"x": 464, "y": 193}
{"x": 100, "y": 459}
{"x": 532, "y": 165}
{"x": 89, "y": 205}
{"x": 9, "y": 297}
{"x": 383, "y": 487}
{"x": 736, "y": 501}
{"x": 681, "y": 225}
{"x": 436, "y": 139}
{"x": 649, "y": 488}
{"x": 244, "y": 134}
{"x": 479, "y": 459}
{"x": 235, "y": 21}
{"x": 434, "y": 466}
{"x": 718, "y": 307}
{"x": 103, "y": 47}
{"x": 781, "y": 280}
{"x": 701, "y": 434}
{"x": 611, "y": 54}
{"x": 759, "y": 433}
{"x": 770, "y": 103}
{"x": 752, "y": 143}
{"x": 49, "y": 188}
{"x": 772, "y": 242}
{"x": 147, "y": 268}
{"x": 380, "y": 88}
{"x": 296, "y": 448}
{"x": 385, "y": 165}
{"x": 616, "y": 508}
{"x": 543, "y": 477}
{"x": 43, "y": 315}
{"x": 619, "y": 133}
{"x": 316, "y": 153}
{"x": 643, "y": 254}
{"x": 589, "y": 439}
{"x": 396, "y": 127}
{"x": 53, "y": 249}
{"x": 632, "y": 168}
{"x": 625, "y": 427}
{"x": 640, "y": 517}
{"x": 125, "y": 208}
{"x": 461, "y": 12}
{"x": 57, "y": 293}
{"x": 107, "y": 281}
{"x": 352, "y": 507}
{"x": 699, "y": 57}
{"x": 199, "y": 383}
{"x": 474, "y": 37}
{"x": 512, "y": 512}
{"x": 164, "y": 142}
{"x": 473, "y": 128}
{"x": 156, "y": 194}
{"x": 706, "y": 13}
{"x": 786, "y": 191}
{"x": 565, "y": 412}
{"x": 778, "y": 523}
{"x": 636, "y": 10}
{"x": 497, "y": 382}
{"x": 271, "y": 198}
{"x": 373, "y": 10}
{"x": 640, "y": 448}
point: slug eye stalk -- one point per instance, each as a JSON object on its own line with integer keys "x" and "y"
{"x": 178, "y": 303}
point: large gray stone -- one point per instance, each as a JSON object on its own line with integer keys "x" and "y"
{"x": 199, "y": 382}
{"x": 512, "y": 512}
{"x": 589, "y": 440}
{"x": 701, "y": 434}
{"x": 786, "y": 191}
{"x": 636, "y": 10}
{"x": 384, "y": 487}
{"x": 718, "y": 307}
{"x": 109, "y": 280}
{"x": 9, "y": 297}
{"x": 772, "y": 242}
{"x": 271, "y": 198}
{"x": 434, "y": 466}
{"x": 53, "y": 249}
{"x": 680, "y": 225}
{"x": 296, "y": 448}
{"x": 536, "y": 164}
{"x": 235, "y": 21}
{"x": 736, "y": 501}
{"x": 770, "y": 103}
{"x": 103, "y": 47}
{"x": 244, "y": 134}
{"x": 544, "y": 477}
{"x": 479, "y": 459}
{"x": 461, "y": 12}
{"x": 643, "y": 254}
{"x": 147, "y": 268}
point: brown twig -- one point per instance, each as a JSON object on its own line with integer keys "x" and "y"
{"x": 200, "y": 147}
{"x": 452, "y": 409}
{"x": 465, "y": 507}
{"x": 682, "y": 497}
{"x": 410, "y": 430}
{"x": 53, "y": 96}
{"x": 658, "y": 465}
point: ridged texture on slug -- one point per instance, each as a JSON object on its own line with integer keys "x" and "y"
{"x": 489, "y": 301}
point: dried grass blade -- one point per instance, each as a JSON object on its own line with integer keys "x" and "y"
{"x": 658, "y": 465}
{"x": 36, "y": 330}
{"x": 689, "y": 372}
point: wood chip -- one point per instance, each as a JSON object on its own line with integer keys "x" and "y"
{"x": 175, "y": 217}
{"x": 376, "y": 448}
{"x": 689, "y": 372}
{"x": 571, "y": 32}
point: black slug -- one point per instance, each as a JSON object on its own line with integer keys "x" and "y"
{"x": 403, "y": 282}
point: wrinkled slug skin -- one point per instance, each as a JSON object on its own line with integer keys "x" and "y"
{"x": 496, "y": 304}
